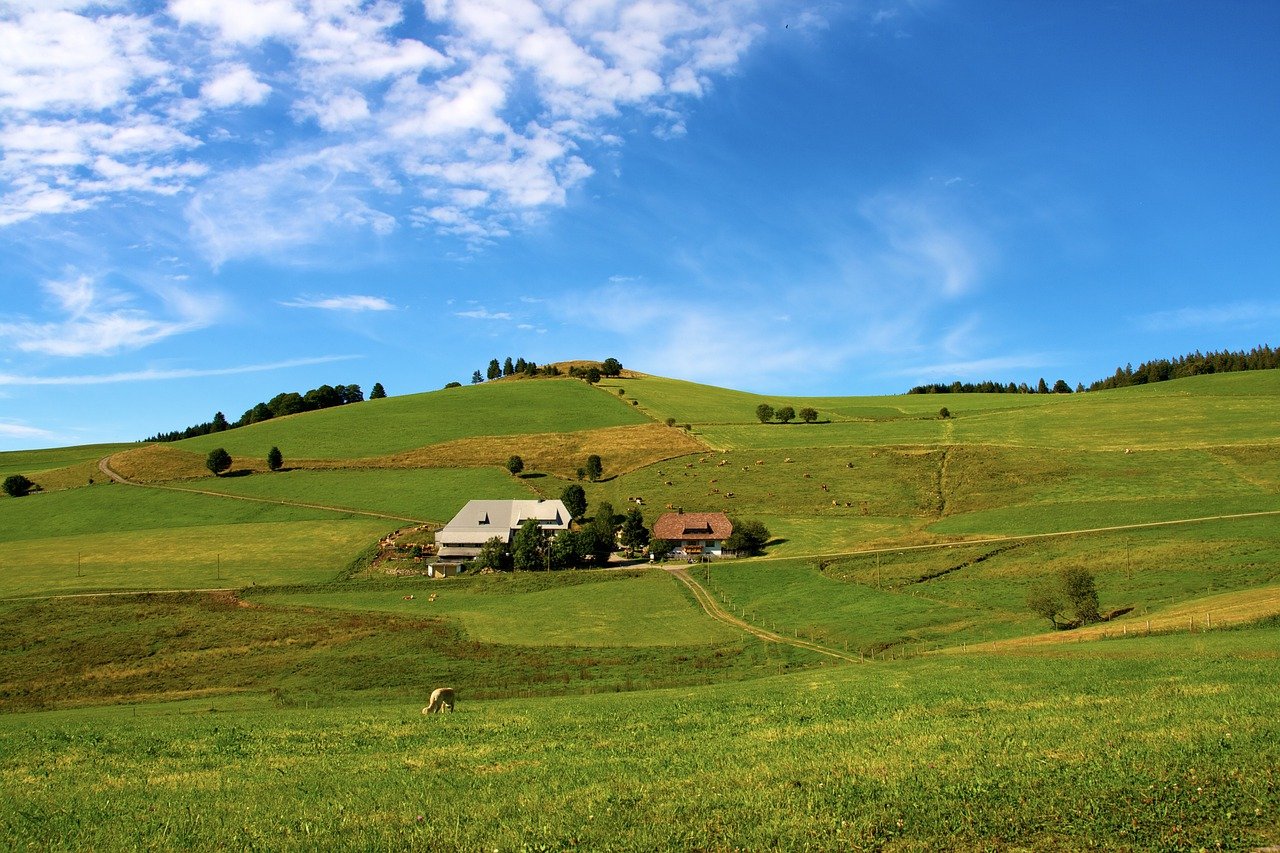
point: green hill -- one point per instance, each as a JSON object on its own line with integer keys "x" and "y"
{"x": 901, "y": 539}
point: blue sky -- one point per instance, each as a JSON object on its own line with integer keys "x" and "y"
{"x": 206, "y": 202}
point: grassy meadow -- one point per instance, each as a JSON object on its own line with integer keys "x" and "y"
{"x": 1151, "y": 744}
{"x": 273, "y": 699}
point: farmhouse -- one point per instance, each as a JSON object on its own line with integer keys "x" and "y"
{"x": 480, "y": 521}
{"x": 694, "y": 534}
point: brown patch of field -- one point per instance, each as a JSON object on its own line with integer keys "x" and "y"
{"x": 158, "y": 463}
{"x": 621, "y": 449}
{"x": 70, "y": 477}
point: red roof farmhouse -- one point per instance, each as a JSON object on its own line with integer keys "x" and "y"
{"x": 694, "y": 533}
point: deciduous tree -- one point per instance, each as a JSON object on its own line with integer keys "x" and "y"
{"x": 808, "y": 415}
{"x": 764, "y": 412}
{"x": 526, "y": 547}
{"x": 786, "y": 414}
{"x": 515, "y": 464}
{"x": 634, "y": 533}
{"x": 595, "y": 468}
{"x": 574, "y": 498}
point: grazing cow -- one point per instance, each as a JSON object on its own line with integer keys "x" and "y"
{"x": 441, "y": 698}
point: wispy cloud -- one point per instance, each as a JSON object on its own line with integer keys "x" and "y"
{"x": 1245, "y": 314}
{"x": 9, "y": 429}
{"x": 483, "y": 314}
{"x": 341, "y": 303}
{"x": 9, "y": 379}
{"x": 102, "y": 321}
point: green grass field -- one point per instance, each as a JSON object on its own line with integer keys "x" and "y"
{"x": 601, "y": 608}
{"x": 378, "y": 427}
{"x": 1152, "y": 744}
{"x": 606, "y": 709}
{"x": 430, "y": 494}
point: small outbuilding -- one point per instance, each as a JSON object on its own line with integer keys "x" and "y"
{"x": 694, "y": 534}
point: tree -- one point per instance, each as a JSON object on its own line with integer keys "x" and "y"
{"x": 378, "y": 392}
{"x": 447, "y": 385}
{"x": 1081, "y": 593}
{"x": 595, "y": 468}
{"x": 634, "y": 533}
{"x": 671, "y": 422}
{"x": 17, "y": 486}
{"x": 476, "y": 378}
{"x": 1061, "y": 387}
{"x": 526, "y": 547}
{"x": 1045, "y": 602}
{"x": 593, "y": 375}
{"x": 507, "y": 367}
{"x": 574, "y": 498}
{"x": 764, "y": 412}
{"x": 944, "y": 413}
{"x": 1042, "y": 387}
{"x": 566, "y": 550}
{"x": 660, "y": 549}
{"x": 611, "y": 367}
{"x": 748, "y": 537}
{"x": 218, "y": 461}
{"x": 786, "y": 414}
{"x": 600, "y": 534}
{"x": 275, "y": 459}
{"x": 495, "y": 369}
{"x": 220, "y": 422}
{"x": 808, "y": 415}
{"x": 515, "y": 464}
{"x": 493, "y": 555}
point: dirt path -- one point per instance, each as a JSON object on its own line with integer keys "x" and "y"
{"x": 715, "y": 611}
{"x": 104, "y": 465}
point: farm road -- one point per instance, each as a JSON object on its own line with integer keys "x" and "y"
{"x": 104, "y": 465}
{"x": 715, "y": 611}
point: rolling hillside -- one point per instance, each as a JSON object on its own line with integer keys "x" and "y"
{"x": 901, "y": 539}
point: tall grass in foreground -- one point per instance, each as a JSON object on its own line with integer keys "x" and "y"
{"x": 1134, "y": 746}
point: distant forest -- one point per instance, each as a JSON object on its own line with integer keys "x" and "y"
{"x": 288, "y": 403}
{"x": 1159, "y": 370}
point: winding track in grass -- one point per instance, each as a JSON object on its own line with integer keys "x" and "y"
{"x": 715, "y": 611}
{"x": 104, "y": 465}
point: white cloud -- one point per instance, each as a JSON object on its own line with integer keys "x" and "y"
{"x": 100, "y": 321}
{"x": 469, "y": 125}
{"x": 928, "y": 242}
{"x": 342, "y": 303}
{"x": 235, "y": 85}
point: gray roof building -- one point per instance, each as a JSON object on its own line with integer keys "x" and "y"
{"x": 479, "y": 521}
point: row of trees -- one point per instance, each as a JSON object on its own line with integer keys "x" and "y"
{"x": 1158, "y": 370}
{"x": 1193, "y": 364}
{"x": 287, "y": 403}
{"x": 989, "y": 387}
{"x": 591, "y": 372}
{"x": 785, "y": 414}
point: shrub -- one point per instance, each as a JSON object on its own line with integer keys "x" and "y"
{"x": 17, "y": 486}
{"x": 944, "y": 413}
{"x": 671, "y": 422}
{"x": 515, "y": 464}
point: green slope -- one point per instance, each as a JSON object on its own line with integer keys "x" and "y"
{"x": 377, "y": 427}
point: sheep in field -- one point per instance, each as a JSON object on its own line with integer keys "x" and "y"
{"x": 441, "y": 698}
